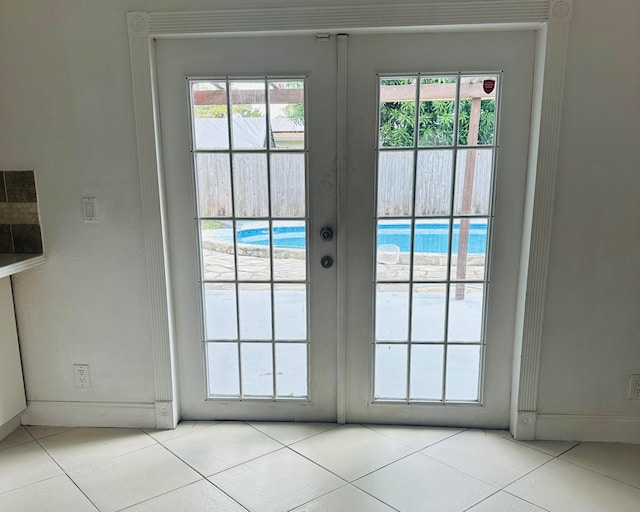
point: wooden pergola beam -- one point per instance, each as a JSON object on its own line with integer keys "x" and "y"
{"x": 434, "y": 92}
{"x": 388, "y": 93}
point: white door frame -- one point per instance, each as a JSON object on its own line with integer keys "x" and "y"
{"x": 550, "y": 18}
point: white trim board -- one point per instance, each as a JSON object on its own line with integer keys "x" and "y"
{"x": 550, "y": 17}
{"x": 580, "y": 427}
{"x": 90, "y": 414}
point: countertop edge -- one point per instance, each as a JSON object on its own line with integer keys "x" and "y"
{"x": 20, "y": 266}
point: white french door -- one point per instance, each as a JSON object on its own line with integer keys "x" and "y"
{"x": 248, "y": 128}
{"x": 437, "y": 146}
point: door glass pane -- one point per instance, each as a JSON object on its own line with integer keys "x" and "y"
{"x": 437, "y": 111}
{"x": 223, "y": 369}
{"x": 214, "y": 185}
{"x": 433, "y": 183}
{"x": 476, "y": 119}
{"x": 255, "y": 311}
{"x": 217, "y": 250}
{"x": 397, "y": 112}
{"x": 392, "y": 312}
{"x": 289, "y": 250}
{"x": 470, "y": 238}
{"x": 463, "y": 372}
{"x": 257, "y": 369}
{"x": 291, "y": 366}
{"x": 286, "y": 109}
{"x": 433, "y": 214}
{"x": 290, "y": 311}
{"x": 248, "y": 111}
{"x": 250, "y": 186}
{"x": 431, "y": 250}
{"x": 395, "y": 183}
{"x": 392, "y": 251}
{"x": 220, "y": 311}
{"x": 253, "y": 246}
{"x": 427, "y": 368}
{"x": 287, "y": 185}
{"x": 428, "y": 312}
{"x": 210, "y": 114}
{"x": 391, "y": 371}
{"x": 473, "y": 181}
{"x": 466, "y": 305}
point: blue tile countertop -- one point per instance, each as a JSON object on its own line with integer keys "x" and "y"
{"x": 13, "y": 263}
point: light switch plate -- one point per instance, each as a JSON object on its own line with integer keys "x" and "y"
{"x": 89, "y": 213}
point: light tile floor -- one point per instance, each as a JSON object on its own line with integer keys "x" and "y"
{"x": 311, "y": 467}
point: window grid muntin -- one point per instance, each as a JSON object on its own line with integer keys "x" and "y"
{"x": 452, "y": 217}
{"x": 268, "y": 150}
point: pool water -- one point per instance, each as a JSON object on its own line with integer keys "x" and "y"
{"x": 431, "y": 238}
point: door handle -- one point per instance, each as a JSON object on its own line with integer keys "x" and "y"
{"x": 326, "y": 233}
{"x": 326, "y": 262}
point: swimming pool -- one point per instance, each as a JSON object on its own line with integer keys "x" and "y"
{"x": 429, "y": 237}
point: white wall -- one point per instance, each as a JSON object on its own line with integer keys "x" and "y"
{"x": 592, "y": 320}
{"x": 66, "y": 111}
{"x": 66, "y": 108}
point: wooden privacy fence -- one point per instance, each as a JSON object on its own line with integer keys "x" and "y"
{"x": 433, "y": 184}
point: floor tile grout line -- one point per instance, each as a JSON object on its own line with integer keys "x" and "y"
{"x": 177, "y": 489}
{"x": 225, "y": 469}
{"x": 481, "y": 501}
{"x": 526, "y": 500}
{"x": 299, "y": 440}
{"x": 377, "y": 498}
{"x": 26, "y": 427}
{"x": 578, "y": 443}
{"x": 599, "y": 473}
{"x": 318, "y": 464}
{"x": 81, "y": 468}
{"x": 413, "y": 451}
{"x": 484, "y": 481}
{"x": 558, "y": 457}
{"x": 421, "y": 452}
{"x": 31, "y": 483}
{"x": 68, "y": 476}
{"x": 382, "y": 467}
{"x": 348, "y": 484}
{"x": 358, "y": 478}
{"x": 370, "y": 427}
{"x": 19, "y": 444}
{"x": 504, "y": 487}
{"x": 318, "y": 497}
{"x": 204, "y": 477}
{"x": 522, "y": 444}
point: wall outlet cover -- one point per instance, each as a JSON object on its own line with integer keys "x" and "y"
{"x": 634, "y": 387}
{"x": 81, "y": 375}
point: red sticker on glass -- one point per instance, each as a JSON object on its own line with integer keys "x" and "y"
{"x": 488, "y": 86}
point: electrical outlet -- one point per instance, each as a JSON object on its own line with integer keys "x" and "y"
{"x": 81, "y": 375}
{"x": 634, "y": 387}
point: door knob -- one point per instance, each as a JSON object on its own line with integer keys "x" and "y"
{"x": 326, "y": 233}
{"x": 326, "y": 262}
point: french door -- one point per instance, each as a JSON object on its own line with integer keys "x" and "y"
{"x": 437, "y": 141}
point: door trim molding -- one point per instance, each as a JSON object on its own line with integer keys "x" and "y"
{"x": 551, "y": 20}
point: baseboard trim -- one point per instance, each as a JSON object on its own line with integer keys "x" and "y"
{"x": 90, "y": 414}
{"x": 577, "y": 427}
